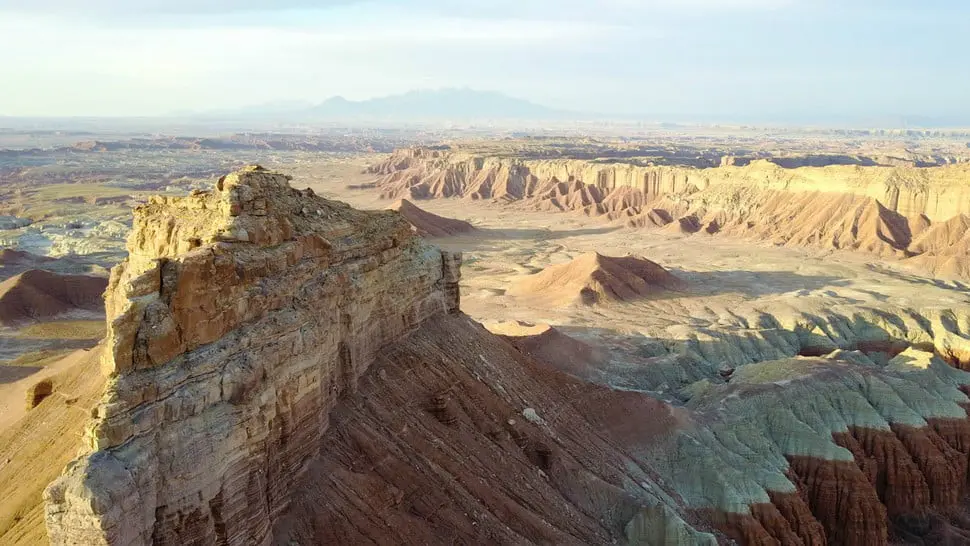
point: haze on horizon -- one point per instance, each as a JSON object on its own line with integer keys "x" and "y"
{"x": 667, "y": 58}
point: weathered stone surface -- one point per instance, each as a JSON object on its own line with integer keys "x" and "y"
{"x": 455, "y": 437}
{"x": 235, "y": 325}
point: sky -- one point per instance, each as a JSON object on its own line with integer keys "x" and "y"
{"x": 760, "y": 59}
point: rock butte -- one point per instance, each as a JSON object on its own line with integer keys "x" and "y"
{"x": 284, "y": 369}
{"x": 592, "y": 278}
{"x": 427, "y": 224}
{"x": 36, "y": 294}
{"x": 919, "y": 215}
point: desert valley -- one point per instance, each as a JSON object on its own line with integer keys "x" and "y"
{"x": 677, "y": 336}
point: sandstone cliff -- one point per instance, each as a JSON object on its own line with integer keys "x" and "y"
{"x": 238, "y": 320}
{"x": 878, "y": 209}
{"x": 241, "y": 327}
{"x": 939, "y": 193}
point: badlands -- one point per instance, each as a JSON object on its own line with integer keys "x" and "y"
{"x": 536, "y": 347}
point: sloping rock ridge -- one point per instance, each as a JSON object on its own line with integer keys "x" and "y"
{"x": 915, "y": 214}
{"x": 592, "y": 278}
{"x": 861, "y": 445}
{"x": 427, "y": 224}
{"x": 239, "y": 319}
{"x": 284, "y": 369}
{"x": 38, "y": 294}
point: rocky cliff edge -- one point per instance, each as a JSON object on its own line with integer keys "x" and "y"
{"x": 239, "y": 318}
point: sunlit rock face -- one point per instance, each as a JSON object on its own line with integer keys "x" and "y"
{"x": 918, "y": 215}
{"x": 238, "y": 320}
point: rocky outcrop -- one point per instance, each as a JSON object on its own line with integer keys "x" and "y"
{"x": 37, "y": 392}
{"x": 849, "y": 447}
{"x": 457, "y": 438}
{"x": 284, "y": 369}
{"x": 427, "y": 224}
{"x": 239, "y": 319}
{"x": 593, "y": 279}
{"x": 38, "y": 294}
{"x": 943, "y": 248}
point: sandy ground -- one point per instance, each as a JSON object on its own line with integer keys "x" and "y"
{"x": 15, "y": 380}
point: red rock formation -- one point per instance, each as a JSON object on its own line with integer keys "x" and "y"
{"x": 593, "y": 278}
{"x": 427, "y": 224}
{"x": 843, "y": 501}
{"x": 888, "y": 467}
{"x": 872, "y": 209}
{"x": 436, "y": 449}
{"x": 40, "y": 294}
{"x": 794, "y": 508}
{"x": 943, "y": 467}
{"x": 547, "y": 344}
{"x": 283, "y": 368}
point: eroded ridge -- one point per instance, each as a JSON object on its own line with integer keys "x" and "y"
{"x": 920, "y": 215}
{"x": 239, "y": 318}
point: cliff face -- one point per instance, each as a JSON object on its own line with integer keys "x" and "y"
{"x": 236, "y": 323}
{"x": 920, "y": 214}
{"x": 939, "y": 193}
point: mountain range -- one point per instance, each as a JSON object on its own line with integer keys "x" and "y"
{"x": 418, "y": 105}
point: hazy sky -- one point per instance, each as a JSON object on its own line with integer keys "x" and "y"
{"x": 666, "y": 57}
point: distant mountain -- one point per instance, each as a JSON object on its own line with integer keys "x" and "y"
{"x": 419, "y": 105}
{"x": 437, "y": 105}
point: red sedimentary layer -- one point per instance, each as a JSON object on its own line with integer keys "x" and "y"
{"x": 896, "y": 474}
{"x": 785, "y": 521}
{"x": 906, "y": 485}
{"x": 842, "y": 500}
{"x": 794, "y": 508}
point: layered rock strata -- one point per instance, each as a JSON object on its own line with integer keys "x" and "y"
{"x": 239, "y": 319}
{"x": 427, "y": 224}
{"x": 919, "y": 214}
{"x": 844, "y": 448}
{"x": 457, "y": 438}
{"x": 939, "y": 193}
{"x": 594, "y": 279}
